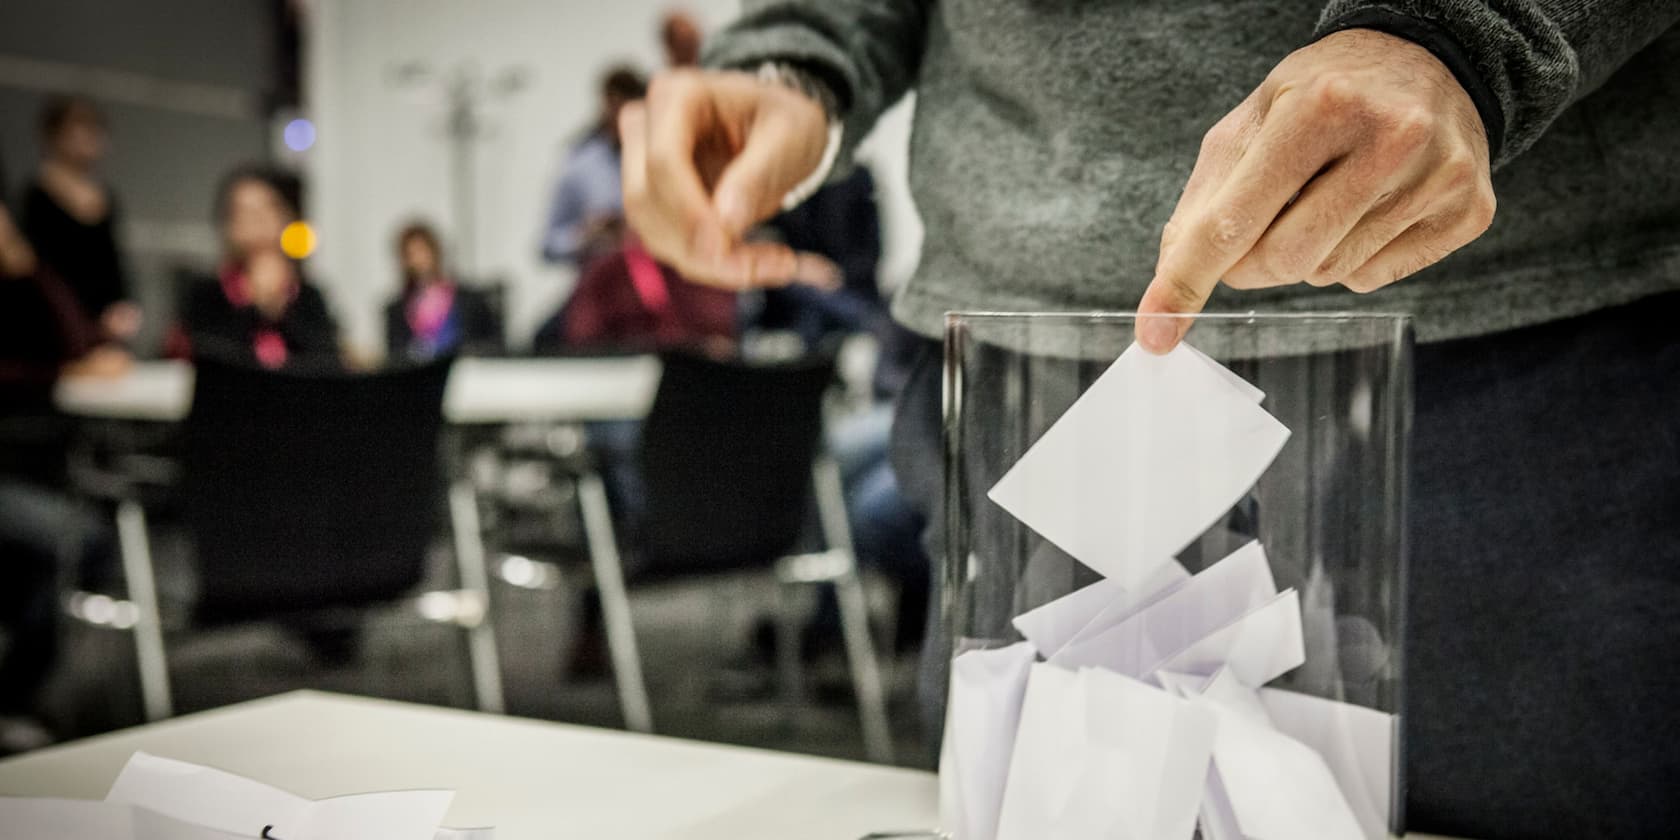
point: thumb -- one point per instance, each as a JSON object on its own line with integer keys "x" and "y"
{"x": 776, "y": 157}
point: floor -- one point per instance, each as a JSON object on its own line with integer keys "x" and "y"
{"x": 694, "y": 638}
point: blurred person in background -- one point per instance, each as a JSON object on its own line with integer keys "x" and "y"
{"x": 434, "y": 315}
{"x": 680, "y": 35}
{"x": 1107, "y": 155}
{"x": 586, "y": 217}
{"x": 44, "y": 533}
{"x": 258, "y": 309}
{"x": 71, "y": 217}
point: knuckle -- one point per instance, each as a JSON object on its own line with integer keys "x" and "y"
{"x": 1224, "y": 231}
{"x": 1332, "y": 93}
{"x": 1411, "y": 127}
{"x": 1181, "y": 295}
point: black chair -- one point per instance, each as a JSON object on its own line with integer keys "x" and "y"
{"x": 732, "y": 460}
{"x": 309, "y": 499}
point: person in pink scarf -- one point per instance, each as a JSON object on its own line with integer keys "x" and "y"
{"x": 435, "y": 315}
{"x": 258, "y": 308}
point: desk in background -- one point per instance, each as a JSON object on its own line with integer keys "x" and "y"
{"x": 480, "y": 391}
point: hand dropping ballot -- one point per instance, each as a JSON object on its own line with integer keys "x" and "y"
{"x": 1137, "y": 707}
{"x": 162, "y": 799}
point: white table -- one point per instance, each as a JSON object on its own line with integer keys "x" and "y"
{"x": 480, "y": 391}
{"x": 530, "y": 779}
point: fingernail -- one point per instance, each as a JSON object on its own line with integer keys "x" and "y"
{"x": 1157, "y": 333}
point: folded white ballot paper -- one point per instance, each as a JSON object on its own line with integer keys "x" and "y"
{"x": 23, "y": 818}
{"x": 1266, "y": 785}
{"x": 1147, "y": 639}
{"x": 1094, "y": 607}
{"x": 1142, "y": 463}
{"x": 227, "y": 802}
{"x": 982, "y": 716}
{"x": 1357, "y": 743}
{"x": 1099, "y": 755}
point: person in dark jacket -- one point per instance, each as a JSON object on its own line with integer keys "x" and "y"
{"x": 71, "y": 217}
{"x": 258, "y": 309}
{"x": 434, "y": 315}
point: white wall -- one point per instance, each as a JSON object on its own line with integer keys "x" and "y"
{"x": 381, "y": 157}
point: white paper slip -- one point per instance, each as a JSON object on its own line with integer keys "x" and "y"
{"x": 227, "y": 802}
{"x": 1154, "y": 452}
{"x": 1356, "y": 742}
{"x": 1051, "y": 626}
{"x": 1249, "y": 390}
{"x": 1141, "y": 643}
{"x": 1102, "y": 756}
{"x": 1045, "y": 765}
{"x": 1255, "y": 649}
{"x": 1270, "y": 786}
{"x": 987, "y": 689}
{"x": 1225, "y": 690}
{"x": 51, "y": 819}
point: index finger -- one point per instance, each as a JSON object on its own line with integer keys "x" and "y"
{"x": 676, "y": 107}
{"x": 1210, "y": 237}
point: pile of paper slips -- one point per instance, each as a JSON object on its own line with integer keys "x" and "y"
{"x": 1137, "y": 707}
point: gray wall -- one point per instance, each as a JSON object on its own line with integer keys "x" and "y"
{"x": 183, "y": 84}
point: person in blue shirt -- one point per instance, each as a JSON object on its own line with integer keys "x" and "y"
{"x": 586, "y": 219}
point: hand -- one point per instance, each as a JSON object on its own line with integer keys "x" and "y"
{"x": 271, "y": 277}
{"x": 706, "y": 157}
{"x": 121, "y": 320}
{"x": 1360, "y": 160}
{"x": 107, "y": 361}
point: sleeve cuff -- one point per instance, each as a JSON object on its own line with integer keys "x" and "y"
{"x": 1445, "y": 47}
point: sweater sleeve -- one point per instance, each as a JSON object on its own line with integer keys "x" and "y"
{"x": 1534, "y": 57}
{"x": 868, "y": 52}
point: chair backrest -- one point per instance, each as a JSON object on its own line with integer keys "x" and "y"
{"x": 310, "y": 492}
{"x": 727, "y": 451}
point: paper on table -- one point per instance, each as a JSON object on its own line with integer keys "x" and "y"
{"x": 43, "y": 819}
{"x": 1269, "y": 786}
{"x": 1143, "y": 462}
{"x": 227, "y": 802}
{"x": 1259, "y": 647}
{"x": 1051, "y": 626}
{"x": 1101, "y": 755}
{"x": 1140, "y": 643}
{"x": 984, "y": 712}
{"x": 1356, "y": 742}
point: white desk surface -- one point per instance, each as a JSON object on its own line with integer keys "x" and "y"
{"x": 480, "y": 391}
{"x": 532, "y": 780}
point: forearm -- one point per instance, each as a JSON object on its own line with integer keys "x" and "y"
{"x": 867, "y": 52}
{"x": 1534, "y": 57}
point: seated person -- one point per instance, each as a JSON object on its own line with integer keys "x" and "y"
{"x": 43, "y": 335}
{"x": 258, "y": 309}
{"x": 435, "y": 316}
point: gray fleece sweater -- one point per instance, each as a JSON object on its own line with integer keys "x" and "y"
{"x": 1052, "y": 138}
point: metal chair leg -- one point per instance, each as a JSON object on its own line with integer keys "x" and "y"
{"x": 789, "y": 670}
{"x": 469, "y": 558}
{"x": 135, "y": 545}
{"x": 854, "y": 613}
{"x": 615, "y": 602}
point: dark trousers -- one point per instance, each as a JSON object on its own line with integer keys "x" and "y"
{"x": 1542, "y": 693}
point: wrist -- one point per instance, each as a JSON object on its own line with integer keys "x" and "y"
{"x": 802, "y": 81}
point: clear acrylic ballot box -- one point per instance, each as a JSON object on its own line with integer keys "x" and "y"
{"x": 1174, "y": 585}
